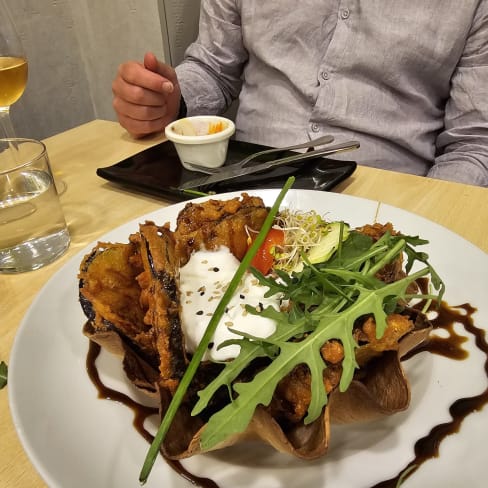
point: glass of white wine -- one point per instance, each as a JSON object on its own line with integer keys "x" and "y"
{"x": 13, "y": 69}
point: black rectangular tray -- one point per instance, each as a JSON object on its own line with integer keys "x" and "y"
{"x": 158, "y": 171}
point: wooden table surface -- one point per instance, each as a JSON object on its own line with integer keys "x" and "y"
{"x": 93, "y": 206}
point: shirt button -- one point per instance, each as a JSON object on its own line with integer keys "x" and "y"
{"x": 315, "y": 127}
{"x": 345, "y": 13}
{"x": 325, "y": 76}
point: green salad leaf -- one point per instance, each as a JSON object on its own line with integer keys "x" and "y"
{"x": 326, "y": 300}
{"x": 3, "y": 374}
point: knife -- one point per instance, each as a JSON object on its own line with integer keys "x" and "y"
{"x": 237, "y": 170}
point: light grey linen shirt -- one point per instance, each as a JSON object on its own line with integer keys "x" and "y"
{"x": 407, "y": 78}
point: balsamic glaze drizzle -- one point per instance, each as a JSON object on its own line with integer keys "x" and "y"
{"x": 425, "y": 448}
{"x": 141, "y": 413}
{"x": 428, "y": 447}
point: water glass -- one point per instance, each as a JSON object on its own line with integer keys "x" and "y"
{"x": 33, "y": 230}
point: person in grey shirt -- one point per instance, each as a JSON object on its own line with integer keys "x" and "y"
{"x": 408, "y": 79}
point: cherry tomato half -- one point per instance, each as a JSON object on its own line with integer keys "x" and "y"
{"x": 263, "y": 260}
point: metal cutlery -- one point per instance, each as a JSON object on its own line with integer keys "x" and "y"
{"x": 239, "y": 169}
{"x": 320, "y": 141}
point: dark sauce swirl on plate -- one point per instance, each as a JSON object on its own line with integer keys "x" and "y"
{"x": 141, "y": 413}
{"x": 425, "y": 448}
{"x": 451, "y": 347}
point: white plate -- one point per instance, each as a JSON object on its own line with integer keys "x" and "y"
{"x": 76, "y": 440}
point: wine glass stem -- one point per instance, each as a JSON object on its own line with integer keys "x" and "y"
{"x": 6, "y": 124}
{"x": 8, "y": 132}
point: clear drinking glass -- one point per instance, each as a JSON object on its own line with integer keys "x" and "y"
{"x": 13, "y": 69}
{"x": 33, "y": 230}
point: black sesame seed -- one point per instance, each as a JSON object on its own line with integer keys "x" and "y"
{"x": 242, "y": 296}
{"x": 200, "y": 312}
{"x": 210, "y": 345}
{"x": 216, "y": 269}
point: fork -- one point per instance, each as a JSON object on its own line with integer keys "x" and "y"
{"x": 320, "y": 141}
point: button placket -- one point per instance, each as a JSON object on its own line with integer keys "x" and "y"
{"x": 344, "y": 13}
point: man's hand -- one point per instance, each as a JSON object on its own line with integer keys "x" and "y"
{"x": 146, "y": 96}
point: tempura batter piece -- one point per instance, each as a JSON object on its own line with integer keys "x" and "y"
{"x": 159, "y": 296}
{"x": 216, "y": 223}
{"x": 293, "y": 394}
{"x": 109, "y": 295}
{"x": 394, "y": 270}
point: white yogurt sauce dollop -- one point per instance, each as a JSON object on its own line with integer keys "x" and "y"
{"x": 203, "y": 281}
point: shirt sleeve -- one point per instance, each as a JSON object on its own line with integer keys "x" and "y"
{"x": 210, "y": 74}
{"x": 462, "y": 147}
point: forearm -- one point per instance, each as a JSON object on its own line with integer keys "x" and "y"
{"x": 210, "y": 75}
{"x": 462, "y": 147}
{"x": 467, "y": 165}
{"x": 202, "y": 91}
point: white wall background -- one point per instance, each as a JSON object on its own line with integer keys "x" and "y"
{"x": 75, "y": 46}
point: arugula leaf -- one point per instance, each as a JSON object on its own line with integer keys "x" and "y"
{"x": 327, "y": 299}
{"x": 413, "y": 255}
{"x": 3, "y": 374}
{"x": 236, "y": 415}
{"x": 250, "y": 350}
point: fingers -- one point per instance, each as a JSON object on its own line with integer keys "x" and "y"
{"x": 151, "y": 62}
{"x": 141, "y": 128}
{"x": 138, "y": 91}
{"x": 135, "y": 74}
{"x": 146, "y": 95}
{"x": 167, "y": 72}
{"x": 141, "y": 120}
{"x": 139, "y": 112}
